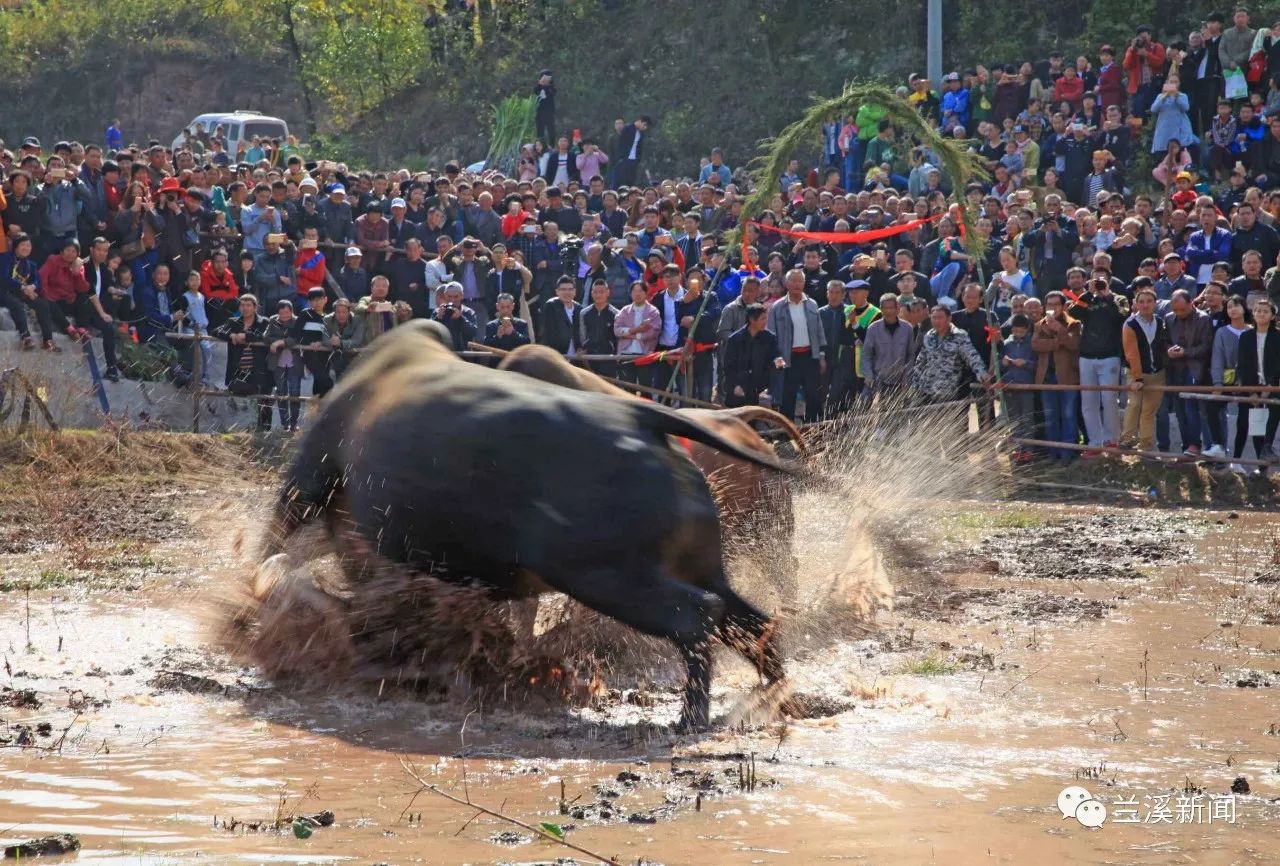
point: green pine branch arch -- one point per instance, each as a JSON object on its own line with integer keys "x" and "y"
{"x": 960, "y": 165}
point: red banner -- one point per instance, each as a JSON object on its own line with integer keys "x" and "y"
{"x": 671, "y": 354}
{"x": 863, "y": 237}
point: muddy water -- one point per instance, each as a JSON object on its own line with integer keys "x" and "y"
{"x": 963, "y": 725}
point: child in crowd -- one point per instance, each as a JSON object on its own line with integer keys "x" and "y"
{"x": 1018, "y": 367}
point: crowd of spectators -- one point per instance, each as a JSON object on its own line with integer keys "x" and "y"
{"x": 1126, "y": 235}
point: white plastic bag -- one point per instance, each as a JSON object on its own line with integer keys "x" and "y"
{"x": 1237, "y": 87}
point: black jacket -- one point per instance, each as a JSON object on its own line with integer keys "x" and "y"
{"x": 595, "y": 331}
{"x": 1102, "y": 320}
{"x": 840, "y": 337}
{"x": 509, "y": 341}
{"x": 571, "y": 167}
{"x": 748, "y": 360}
{"x": 626, "y": 139}
{"x": 1247, "y": 372}
{"x": 558, "y": 330}
{"x": 256, "y": 368}
{"x": 503, "y": 281}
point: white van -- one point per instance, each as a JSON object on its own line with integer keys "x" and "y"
{"x": 240, "y": 126}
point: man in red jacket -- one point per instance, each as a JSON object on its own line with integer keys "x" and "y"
{"x": 1143, "y": 64}
{"x": 65, "y": 286}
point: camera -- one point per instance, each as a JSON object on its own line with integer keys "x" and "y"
{"x": 449, "y": 308}
{"x": 1100, "y": 283}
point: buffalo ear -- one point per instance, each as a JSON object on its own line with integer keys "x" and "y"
{"x": 430, "y": 329}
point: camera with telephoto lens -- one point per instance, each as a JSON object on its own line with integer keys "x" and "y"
{"x": 449, "y": 308}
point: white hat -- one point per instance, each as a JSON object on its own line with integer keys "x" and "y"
{"x": 337, "y": 189}
{"x": 398, "y": 202}
{"x": 354, "y": 251}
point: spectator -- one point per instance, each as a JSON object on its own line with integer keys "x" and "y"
{"x": 1144, "y": 61}
{"x": 838, "y": 354}
{"x": 794, "y": 321}
{"x": 1018, "y": 364}
{"x": 945, "y": 352}
{"x": 352, "y": 278}
{"x": 375, "y": 310}
{"x": 471, "y": 269}
{"x": 637, "y": 327}
{"x": 887, "y": 351}
{"x": 715, "y": 166}
{"x": 311, "y": 337}
{"x": 1172, "y": 278}
{"x": 194, "y": 320}
{"x": 284, "y": 362}
{"x": 1146, "y": 346}
{"x": 63, "y": 284}
{"x": 455, "y": 315}
{"x": 544, "y": 91}
{"x": 506, "y": 331}
{"x": 1224, "y": 364}
{"x": 596, "y": 330}
{"x": 1101, "y": 320}
{"x": 1190, "y": 335}
{"x": 1259, "y": 364}
{"x": 247, "y": 370}
{"x": 345, "y": 333}
{"x": 630, "y": 150}
{"x": 1207, "y": 245}
{"x": 561, "y": 315}
{"x": 698, "y": 314}
{"x": 1056, "y": 341}
{"x": 751, "y": 359}
{"x": 20, "y": 290}
{"x": 273, "y": 277}
{"x": 1251, "y": 234}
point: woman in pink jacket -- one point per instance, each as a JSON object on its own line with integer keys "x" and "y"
{"x": 591, "y": 161}
{"x": 637, "y": 327}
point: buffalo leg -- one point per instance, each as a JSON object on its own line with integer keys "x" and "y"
{"x": 662, "y": 607}
{"x": 751, "y": 633}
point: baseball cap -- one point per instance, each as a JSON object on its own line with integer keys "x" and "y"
{"x": 315, "y": 292}
{"x": 952, "y": 76}
{"x": 857, "y": 284}
{"x": 31, "y": 141}
{"x": 354, "y": 251}
{"x": 398, "y": 202}
{"x": 1183, "y": 175}
{"x": 337, "y": 189}
{"x": 1172, "y": 257}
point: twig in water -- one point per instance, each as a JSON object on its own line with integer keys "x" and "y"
{"x": 1023, "y": 680}
{"x": 537, "y": 831}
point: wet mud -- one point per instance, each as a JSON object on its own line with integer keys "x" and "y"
{"x": 955, "y": 673}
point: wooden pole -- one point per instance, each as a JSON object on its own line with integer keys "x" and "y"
{"x": 197, "y": 376}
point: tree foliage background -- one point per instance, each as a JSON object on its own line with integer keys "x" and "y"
{"x": 413, "y": 80}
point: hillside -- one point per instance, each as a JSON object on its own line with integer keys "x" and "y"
{"x": 412, "y": 80}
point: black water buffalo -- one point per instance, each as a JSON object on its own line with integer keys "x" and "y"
{"x": 526, "y": 487}
{"x": 757, "y": 518}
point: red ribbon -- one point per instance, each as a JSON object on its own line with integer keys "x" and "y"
{"x": 993, "y": 333}
{"x": 670, "y": 354}
{"x": 863, "y": 237}
{"x": 1074, "y": 298}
